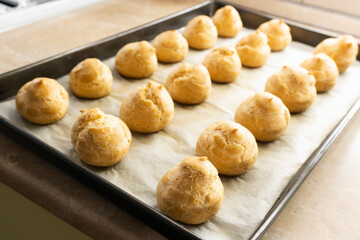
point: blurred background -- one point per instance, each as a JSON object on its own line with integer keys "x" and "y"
{"x": 16, "y": 13}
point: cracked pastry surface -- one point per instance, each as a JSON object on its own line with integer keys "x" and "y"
{"x": 278, "y": 34}
{"x": 189, "y": 84}
{"x": 42, "y": 101}
{"x": 253, "y": 49}
{"x": 136, "y": 60}
{"x": 229, "y": 146}
{"x": 191, "y": 192}
{"x": 100, "y": 139}
{"x": 223, "y": 64}
{"x": 200, "y": 32}
{"x": 264, "y": 115}
{"x": 324, "y": 70}
{"x": 91, "y": 79}
{"x": 343, "y": 50}
{"x": 148, "y": 108}
{"x": 227, "y": 21}
{"x": 295, "y": 86}
{"x": 170, "y": 46}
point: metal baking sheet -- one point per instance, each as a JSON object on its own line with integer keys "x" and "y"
{"x": 61, "y": 64}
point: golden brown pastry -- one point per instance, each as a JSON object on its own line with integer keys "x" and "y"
{"x": 100, "y": 139}
{"x": 264, "y": 115}
{"x": 42, "y": 101}
{"x": 343, "y": 50}
{"x": 91, "y": 79}
{"x": 253, "y": 49}
{"x": 324, "y": 70}
{"x": 295, "y": 86}
{"x": 148, "y": 108}
{"x": 191, "y": 192}
{"x": 229, "y": 146}
{"x": 189, "y": 84}
{"x": 200, "y": 32}
{"x": 170, "y": 46}
{"x": 227, "y": 21}
{"x": 136, "y": 60}
{"x": 223, "y": 64}
{"x": 278, "y": 33}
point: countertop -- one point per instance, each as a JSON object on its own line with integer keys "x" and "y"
{"x": 325, "y": 207}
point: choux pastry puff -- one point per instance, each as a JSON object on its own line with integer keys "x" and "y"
{"x": 42, "y": 101}
{"x": 229, "y": 146}
{"x": 170, "y": 46}
{"x": 264, "y": 115}
{"x": 278, "y": 33}
{"x": 200, "y": 32}
{"x": 227, "y": 21}
{"x": 191, "y": 192}
{"x": 253, "y": 49}
{"x": 295, "y": 86}
{"x": 148, "y": 108}
{"x": 100, "y": 139}
{"x": 136, "y": 60}
{"x": 91, "y": 79}
{"x": 343, "y": 50}
{"x": 189, "y": 84}
{"x": 223, "y": 64}
{"x": 324, "y": 70}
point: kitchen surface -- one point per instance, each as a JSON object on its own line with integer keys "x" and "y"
{"x": 326, "y": 206}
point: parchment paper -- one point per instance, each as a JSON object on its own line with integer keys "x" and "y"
{"x": 247, "y": 197}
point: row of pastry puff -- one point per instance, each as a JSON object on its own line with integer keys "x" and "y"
{"x": 201, "y": 32}
{"x": 297, "y": 86}
{"x": 253, "y": 49}
{"x": 191, "y": 192}
{"x": 294, "y": 88}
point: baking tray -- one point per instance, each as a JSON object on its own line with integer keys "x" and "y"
{"x": 61, "y": 64}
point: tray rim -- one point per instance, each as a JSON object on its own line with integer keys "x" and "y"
{"x": 70, "y": 166}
